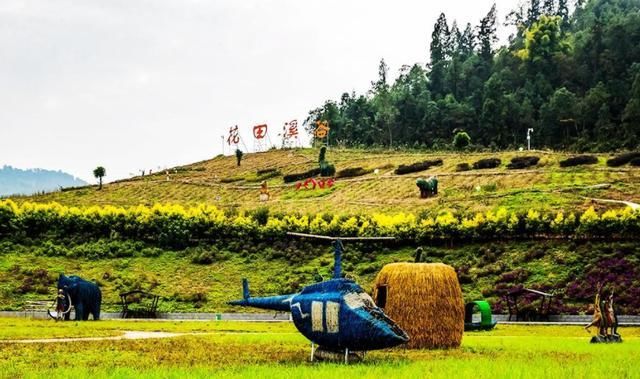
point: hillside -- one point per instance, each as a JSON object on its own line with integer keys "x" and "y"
{"x": 26, "y": 182}
{"x": 485, "y": 271}
{"x": 222, "y": 183}
{"x": 196, "y": 263}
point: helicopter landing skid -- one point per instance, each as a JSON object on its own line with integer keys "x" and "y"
{"x": 319, "y": 353}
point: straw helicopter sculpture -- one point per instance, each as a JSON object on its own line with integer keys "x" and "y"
{"x": 425, "y": 300}
{"x": 337, "y": 314}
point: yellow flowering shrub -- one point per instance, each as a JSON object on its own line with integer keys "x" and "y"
{"x": 176, "y": 225}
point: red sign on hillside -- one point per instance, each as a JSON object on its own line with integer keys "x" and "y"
{"x": 234, "y": 137}
{"x": 260, "y": 131}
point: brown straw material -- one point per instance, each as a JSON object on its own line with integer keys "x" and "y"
{"x": 425, "y": 300}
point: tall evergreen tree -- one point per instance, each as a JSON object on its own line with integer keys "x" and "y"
{"x": 549, "y": 7}
{"x": 563, "y": 12}
{"x": 572, "y": 77}
{"x": 467, "y": 43}
{"x": 487, "y": 34}
{"x": 453, "y": 41}
{"x": 439, "y": 39}
{"x": 385, "y": 111}
{"x": 631, "y": 116}
{"x": 534, "y": 12}
{"x": 438, "y": 50}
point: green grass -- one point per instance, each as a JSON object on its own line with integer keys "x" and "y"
{"x": 545, "y": 187}
{"x": 27, "y": 328}
{"x": 189, "y": 287}
{"x": 258, "y": 350}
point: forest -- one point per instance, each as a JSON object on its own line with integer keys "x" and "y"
{"x": 570, "y": 72}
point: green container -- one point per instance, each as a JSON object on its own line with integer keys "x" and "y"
{"x": 218, "y": 316}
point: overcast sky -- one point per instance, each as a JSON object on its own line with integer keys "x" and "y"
{"x": 135, "y": 84}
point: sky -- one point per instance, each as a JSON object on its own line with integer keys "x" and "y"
{"x": 149, "y": 84}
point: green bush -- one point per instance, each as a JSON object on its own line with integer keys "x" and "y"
{"x": 327, "y": 170}
{"x": 461, "y": 140}
{"x": 463, "y": 167}
{"x": 417, "y": 167}
{"x": 523, "y": 162}
{"x": 353, "y": 172}
{"x": 622, "y": 159}
{"x": 579, "y": 160}
{"x": 261, "y": 215}
{"x": 302, "y": 176}
{"x": 487, "y": 163}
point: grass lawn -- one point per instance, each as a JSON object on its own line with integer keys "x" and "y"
{"x": 265, "y": 350}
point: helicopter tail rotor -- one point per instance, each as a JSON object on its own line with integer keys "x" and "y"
{"x": 245, "y": 289}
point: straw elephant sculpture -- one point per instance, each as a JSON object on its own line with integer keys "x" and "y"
{"x": 85, "y": 296}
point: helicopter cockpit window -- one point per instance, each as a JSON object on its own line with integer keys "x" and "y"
{"x": 358, "y": 300}
{"x": 381, "y": 299}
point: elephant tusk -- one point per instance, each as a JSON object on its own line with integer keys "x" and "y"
{"x": 69, "y": 308}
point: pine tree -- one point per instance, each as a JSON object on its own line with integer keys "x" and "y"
{"x": 467, "y": 43}
{"x": 453, "y": 41}
{"x": 438, "y": 40}
{"x": 534, "y": 12}
{"x": 549, "y": 7}
{"x": 487, "y": 34}
{"x": 381, "y": 84}
{"x": 631, "y": 115}
{"x": 563, "y": 12}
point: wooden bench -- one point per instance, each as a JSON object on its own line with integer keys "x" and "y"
{"x": 139, "y": 304}
{"x": 531, "y": 314}
{"x": 36, "y": 306}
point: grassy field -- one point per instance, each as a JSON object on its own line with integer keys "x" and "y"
{"x": 221, "y": 182}
{"x": 276, "y": 350}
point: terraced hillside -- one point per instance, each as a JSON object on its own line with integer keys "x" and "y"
{"x": 221, "y": 182}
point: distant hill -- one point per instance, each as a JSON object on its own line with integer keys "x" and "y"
{"x": 15, "y": 181}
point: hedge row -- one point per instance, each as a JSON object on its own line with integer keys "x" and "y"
{"x": 622, "y": 159}
{"x": 487, "y": 163}
{"x": 579, "y": 160}
{"x": 301, "y": 176}
{"x": 523, "y": 162}
{"x": 464, "y": 166}
{"x": 175, "y": 226}
{"x": 417, "y": 167}
{"x": 353, "y": 172}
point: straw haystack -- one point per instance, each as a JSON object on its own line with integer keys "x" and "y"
{"x": 425, "y": 300}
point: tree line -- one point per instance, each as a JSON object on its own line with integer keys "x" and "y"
{"x": 569, "y": 71}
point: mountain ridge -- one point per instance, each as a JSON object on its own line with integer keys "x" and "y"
{"x": 16, "y": 181}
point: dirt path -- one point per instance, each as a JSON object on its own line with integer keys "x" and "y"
{"x": 633, "y": 206}
{"x": 128, "y": 335}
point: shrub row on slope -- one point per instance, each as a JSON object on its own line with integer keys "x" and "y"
{"x": 523, "y": 162}
{"x": 417, "y": 167}
{"x": 622, "y": 159}
{"x": 579, "y": 160}
{"x": 177, "y": 227}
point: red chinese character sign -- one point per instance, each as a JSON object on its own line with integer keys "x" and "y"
{"x": 259, "y": 134}
{"x": 290, "y": 134}
{"x": 322, "y": 131}
{"x": 234, "y": 137}
{"x": 260, "y": 131}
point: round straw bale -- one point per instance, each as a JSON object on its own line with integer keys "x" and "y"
{"x": 425, "y": 300}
